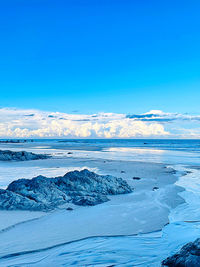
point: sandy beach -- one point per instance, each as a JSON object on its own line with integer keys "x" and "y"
{"x": 136, "y": 229}
{"x": 143, "y": 211}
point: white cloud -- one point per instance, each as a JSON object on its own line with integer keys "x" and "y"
{"x": 16, "y": 123}
{"x": 19, "y": 123}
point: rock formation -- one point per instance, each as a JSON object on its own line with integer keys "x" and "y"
{"x": 7, "y": 155}
{"x": 188, "y": 256}
{"x": 83, "y": 188}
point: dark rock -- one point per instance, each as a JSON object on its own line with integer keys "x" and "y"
{"x": 69, "y": 208}
{"x": 39, "y": 189}
{"x": 12, "y": 201}
{"x": 90, "y": 200}
{"x": 83, "y": 188}
{"x": 189, "y": 255}
{"x": 7, "y": 155}
{"x": 16, "y": 141}
{"x": 11, "y": 141}
{"x": 136, "y": 178}
{"x": 69, "y": 153}
{"x": 155, "y": 188}
{"x": 122, "y": 171}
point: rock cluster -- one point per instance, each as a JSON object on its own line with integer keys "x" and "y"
{"x": 189, "y": 255}
{"x": 83, "y": 188}
{"x": 12, "y": 141}
{"x": 7, "y": 155}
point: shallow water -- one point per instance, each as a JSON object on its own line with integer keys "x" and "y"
{"x": 98, "y": 144}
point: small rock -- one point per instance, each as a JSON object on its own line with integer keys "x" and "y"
{"x": 136, "y": 178}
{"x": 69, "y": 153}
{"x": 90, "y": 200}
{"x": 155, "y": 188}
{"x": 69, "y": 208}
{"x": 122, "y": 171}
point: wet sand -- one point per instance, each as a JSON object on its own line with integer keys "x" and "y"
{"x": 145, "y": 210}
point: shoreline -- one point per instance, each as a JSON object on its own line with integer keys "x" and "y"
{"x": 124, "y": 215}
{"x": 136, "y": 249}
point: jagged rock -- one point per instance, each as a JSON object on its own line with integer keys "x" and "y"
{"x": 7, "y": 155}
{"x": 188, "y": 256}
{"x": 12, "y": 201}
{"x": 39, "y": 189}
{"x": 83, "y": 188}
{"x": 90, "y": 182}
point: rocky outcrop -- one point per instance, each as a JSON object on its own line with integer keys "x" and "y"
{"x": 188, "y": 256}
{"x": 12, "y": 201}
{"x": 7, "y": 155}
{"x": 17, "y": 141}
{"x": 83, "y": 188}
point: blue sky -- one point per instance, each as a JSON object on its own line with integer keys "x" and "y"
{"x": 100, "y": 56}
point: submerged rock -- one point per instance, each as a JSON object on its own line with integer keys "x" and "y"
{"x": 83, "y": 188}
{"x": 7, "y": 155}
{"x": 188, "y": 256}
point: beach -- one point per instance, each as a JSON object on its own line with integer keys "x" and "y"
{"x": 147, "y": 212}
{"x": 99, "y": 133}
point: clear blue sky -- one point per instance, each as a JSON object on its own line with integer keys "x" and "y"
{"x": 91, "y": 56}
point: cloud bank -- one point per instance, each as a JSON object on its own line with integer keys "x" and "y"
{"x": 18, "y": 123}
